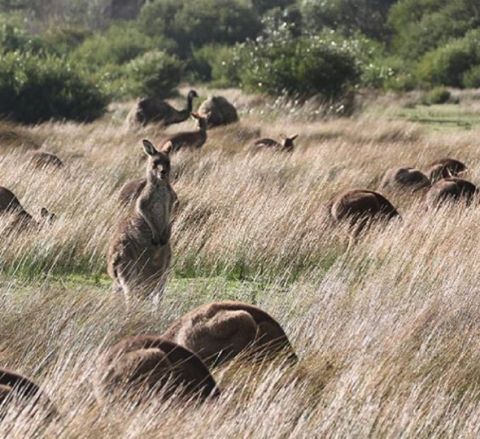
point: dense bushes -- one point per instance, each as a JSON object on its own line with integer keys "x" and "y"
{"x": 155, "y": 73}
{"x": 119, "y": 44}
{"x": 281, "y": 64}
{"x": 34, "y": 89}
{"x": 449, "y": 64}
{"x": 194, "y": 24}
{"x": 304, "y": 66}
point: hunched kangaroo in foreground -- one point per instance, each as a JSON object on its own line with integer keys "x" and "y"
{"x": 139, "y": 251}
{"x": 219, "y": 331}
{"x": 150, "y": 366}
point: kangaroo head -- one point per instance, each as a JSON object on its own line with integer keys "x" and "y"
{"x": 288, "y": 142}
{"x": 192, "y": 94}
{"x": 202, "y": 121}
{"x": 46, "y": 216}
{"x": 158, "y": 166}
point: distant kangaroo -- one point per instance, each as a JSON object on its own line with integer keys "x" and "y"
{"x": 287, "y": 144}
{"x": 9, "y": 204}
{"x": 451, "y": 189}
{"x": 42, "y": 159}
{"x": 405, "y": 179}
{"x": 219, "y": 331}
{"x": 146, "y": 363}
{"x": 139, "y": 251}
{"x": 190, "y": 139}
{"x": 359, "y": 208}
{"x": 445, "y": 168}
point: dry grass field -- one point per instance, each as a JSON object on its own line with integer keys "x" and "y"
{"x": 387, "y": 333}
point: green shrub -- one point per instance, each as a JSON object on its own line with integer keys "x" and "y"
{"x": 220, "y": 64}
{"x": 118, "y": 45}
{"x": 64, "y": 39}
{"x": 305, "y": 66}
{"x": 471, "y": 78}
{"x": 35, "y": 89}
{"x": 448, "y": 64}
{"x": 155, "y": 73}
{"x": 13, "y": 37}
{"x": 195, "y": 24}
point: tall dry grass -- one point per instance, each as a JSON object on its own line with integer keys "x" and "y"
{"x": 387, "y": 333}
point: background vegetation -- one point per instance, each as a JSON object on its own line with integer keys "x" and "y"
{"x": 301, "y": 48}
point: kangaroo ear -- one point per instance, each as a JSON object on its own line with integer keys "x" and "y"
{"x": 45, "y": 214}
{"x": 293, "y": 137}
{"x": 149, "y": 147}
{"x": 167, "y": 147}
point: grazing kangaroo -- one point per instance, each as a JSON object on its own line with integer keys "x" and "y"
{"x": 154, "y": 110}
{"x": 139, "y": 252}
{"x": 190, "y": 139}
{"x": 286, "y": 145}
{"x": 359, "y": 208}
{"x": 445, "y": 168}
{"x": 42, "y": 159}
{"x": 404, "y": 179}
{"x": 450, "y": 189}
{"x": 146, "y": 365}
{"x": 13, "y": 385}
{"x": 9, "y": 204}
{"x": 219, "y": 331}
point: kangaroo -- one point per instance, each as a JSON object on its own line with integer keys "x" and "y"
{"x": 451, "y": 189}
{"x": 13, "y": 385}
{"x": 359, "y": 208}
{"x": 154, "y": 110}
{"x": 219, "y": 331}
{"x": 21, "y": 219}
{"x": 445, "y": 168}
{"x": 287, "y": 144}
{"x": 190, "y": 139}
{"x": 139, "y": 251}
{"x": 42, "y": 160}
{"x": 149, "y": 365}
{"x": 405, "y": 179}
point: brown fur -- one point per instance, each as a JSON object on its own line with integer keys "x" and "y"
{"x": 219, "y": 331}
{"x": 404, "y": 179}
{"x": 154, "y": 110}
{"x": 16, "y": 386}
{"x": 217, "y": 110}
{"x": 287, "y": 144}
{"x": 451, "y": 189}
{"x": 190, "y": 139}
{"x": 359, "y": 208}
{"x": 145, "y": 364}
{"x": 139, "y": 251}
{"x": 42, "y": 159}
{"x": 445, "y": 168}
{"x": 21, "y": 219}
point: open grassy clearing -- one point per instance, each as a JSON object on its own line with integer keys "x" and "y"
{"x": 387, "y": 333}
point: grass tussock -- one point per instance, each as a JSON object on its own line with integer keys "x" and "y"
{"x": 387, "y": 333}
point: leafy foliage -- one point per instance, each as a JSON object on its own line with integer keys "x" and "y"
{"x": 155, "y": 73}
{"x": 34, "y": 89}
{"x": 448, "y": 64}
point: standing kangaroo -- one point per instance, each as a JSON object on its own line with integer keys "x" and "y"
{"x": 139, "y": 252}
